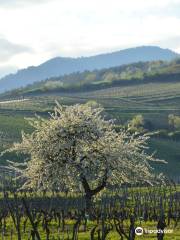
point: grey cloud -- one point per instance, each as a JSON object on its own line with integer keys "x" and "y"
{"x": 9, "y": 49}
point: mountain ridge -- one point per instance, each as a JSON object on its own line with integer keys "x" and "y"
{"x": 133, "y": 74}
{"x": 60, "y": 66}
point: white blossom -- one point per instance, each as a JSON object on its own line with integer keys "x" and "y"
{"x": 77, "y": 147}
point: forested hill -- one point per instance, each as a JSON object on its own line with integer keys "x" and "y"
{"x": 60, "y": 66}
{"x": 132, "y": 74}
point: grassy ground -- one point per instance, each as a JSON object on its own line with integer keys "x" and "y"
{"x": 113, "y": 235}
{"x": 134, "y": 195}
{"x": 56, "y": 231}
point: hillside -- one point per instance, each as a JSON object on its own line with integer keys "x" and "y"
{"x": 60, "y": 66}
{"x": 149, "y": 89}
{"x": 126, "y": 75}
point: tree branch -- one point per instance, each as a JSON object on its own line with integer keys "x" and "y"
{"x": 102, "y": 185}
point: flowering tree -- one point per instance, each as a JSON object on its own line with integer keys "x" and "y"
{"x": 78, "y": 149}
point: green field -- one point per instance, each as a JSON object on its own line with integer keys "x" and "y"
{"x": 154, "y": 101}
{"x": 12, "y": 121}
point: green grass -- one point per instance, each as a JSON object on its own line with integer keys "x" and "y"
{"x": 113, "y": 235}
{"x": 143, "y": 194}
{"x": 11, "y": 125}
{"x": 170, "y": 151}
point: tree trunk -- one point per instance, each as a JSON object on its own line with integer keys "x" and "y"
{"x": 89, "y": 203}
{"x": 89, "y": 193}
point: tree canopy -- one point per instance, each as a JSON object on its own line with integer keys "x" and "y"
{"x": 78, "y": 149}
{"x": 137, "y": 124}
{"x": 174, "y": 121}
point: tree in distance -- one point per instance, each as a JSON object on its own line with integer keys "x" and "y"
{"x": 174, "y": 121}
{"x": 136, "y": 124}
{"x": 78, "y": 149}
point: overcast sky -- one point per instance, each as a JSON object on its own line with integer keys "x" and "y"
{"x": 32, "y": 31}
